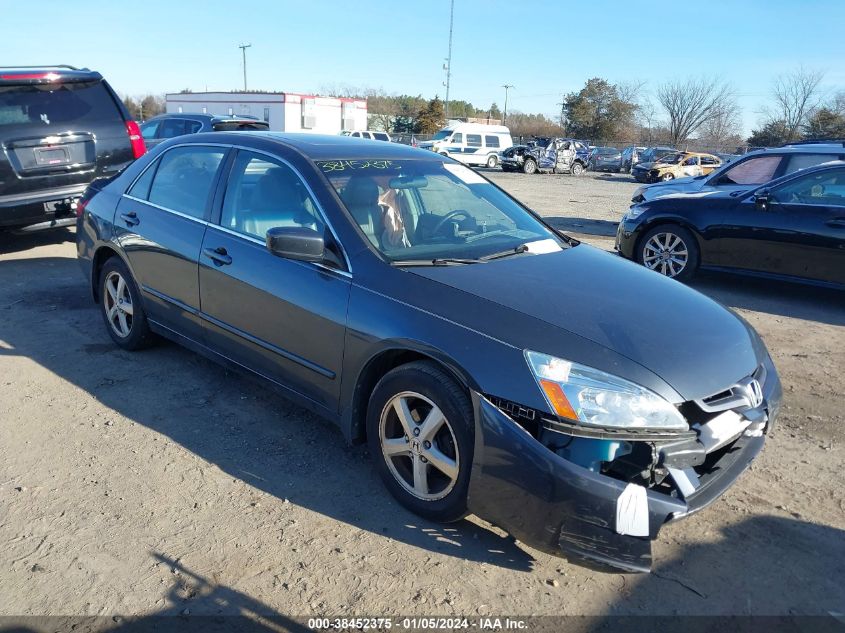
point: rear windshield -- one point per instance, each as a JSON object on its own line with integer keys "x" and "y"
{"x": 234, "y": 126}
{"x": 51, "y": 105}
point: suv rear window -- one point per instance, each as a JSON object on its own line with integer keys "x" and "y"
{"x": 51, "y": 105}
{"x": 234, "y": 126}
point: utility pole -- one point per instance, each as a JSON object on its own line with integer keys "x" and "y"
{"x": 505, "y": 113}
{"x": 243, "y": 48}
{"x": 562, "y": 105}
{"x": 449, "y": 58}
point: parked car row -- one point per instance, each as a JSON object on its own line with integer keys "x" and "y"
{"x": 777, "y": 212}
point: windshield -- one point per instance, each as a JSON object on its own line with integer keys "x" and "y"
{"x": 442, "y": 134}
{"x": 428, "y": 210}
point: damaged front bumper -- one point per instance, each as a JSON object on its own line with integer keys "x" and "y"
{"x": 588, "y": 517}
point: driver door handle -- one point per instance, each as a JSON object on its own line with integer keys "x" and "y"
{"x": 218, "y": 255}
{"x": 130, "y": 218}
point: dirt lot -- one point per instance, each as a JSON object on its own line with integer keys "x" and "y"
{"x": 158, "y": 483}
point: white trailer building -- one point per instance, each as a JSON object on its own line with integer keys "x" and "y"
{"x": 284, "y": 111}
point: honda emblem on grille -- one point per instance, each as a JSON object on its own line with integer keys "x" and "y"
{"x": 753, "y": 393}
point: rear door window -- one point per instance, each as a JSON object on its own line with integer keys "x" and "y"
{"x": 171, "y": 128}
{"x": 51, "y": 106}
{"x": 184, "y": 178}
{"x": 802, "y": 161}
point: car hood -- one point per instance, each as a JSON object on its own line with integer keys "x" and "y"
{"x": 687, "y": 184}
{"x": 692, "y": 343}
{"x": 645, "y": 166}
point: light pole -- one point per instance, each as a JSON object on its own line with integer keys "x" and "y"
{"x": 505, "y": 113}
{"x": 243, "y": 48}
{"x": 449, "y": 59}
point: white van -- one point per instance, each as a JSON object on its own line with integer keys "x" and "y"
{"x": 471, "y": 143}
{"x": 373, "y": 136}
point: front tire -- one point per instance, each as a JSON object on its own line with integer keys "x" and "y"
{"x": 420, "y": 432}
{"x": 670, "y": 250}
{"x": 529, "y": 166}
{"x": 667, "y": 177}
{"x": 120, "y": 305}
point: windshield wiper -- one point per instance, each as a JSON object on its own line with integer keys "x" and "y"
{"x": 437, "y": 261}
{"x": 513, "y": 251}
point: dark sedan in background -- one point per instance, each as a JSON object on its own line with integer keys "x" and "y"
{"x": 792, "y": 227}
{"x": 376, "y": 284}
{"x": 605, "y": 159}
{"x": 164, "y": 126}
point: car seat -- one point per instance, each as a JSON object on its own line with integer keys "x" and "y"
{"x": 276, "y": 201}
{"x": 361, "y": 196}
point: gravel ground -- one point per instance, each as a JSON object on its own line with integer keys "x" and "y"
{"x": 159, "y": 483}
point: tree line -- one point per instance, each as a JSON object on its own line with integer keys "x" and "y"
{"x": 680, "y": 112}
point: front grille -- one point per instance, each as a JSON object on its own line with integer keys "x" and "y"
{"x": 745, "y": 394}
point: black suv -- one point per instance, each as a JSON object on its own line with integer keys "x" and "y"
{"x": 164, "y": 126}
{"x": 60, "y": 127}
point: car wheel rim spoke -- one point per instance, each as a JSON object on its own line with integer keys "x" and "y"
{"x": 441, "y": 462}
{"x": 419, "y": 446}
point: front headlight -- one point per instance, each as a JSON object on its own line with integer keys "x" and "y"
{"x": 594, "y": 398}
{"x": 634, "y": 212}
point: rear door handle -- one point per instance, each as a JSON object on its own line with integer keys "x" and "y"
{"x": 218, "y": 255}
{"x": 837, "y": 223}
{"x": 130, "y": 218}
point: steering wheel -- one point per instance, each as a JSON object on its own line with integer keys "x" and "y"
{"x": 452, "y": 214}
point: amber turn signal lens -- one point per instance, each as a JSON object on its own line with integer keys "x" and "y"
{"x": 558, "y": 399}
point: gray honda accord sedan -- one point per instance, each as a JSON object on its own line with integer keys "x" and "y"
{"x": 493, "y": 365}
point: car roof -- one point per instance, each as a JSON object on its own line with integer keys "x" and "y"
{"x": 321, "y": 146}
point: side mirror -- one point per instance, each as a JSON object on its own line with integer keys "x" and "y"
{"x": 761, "y": 201}
{"x": 296, "y": 242}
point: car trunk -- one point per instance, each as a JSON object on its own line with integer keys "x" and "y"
{"x": 59, "y": 135}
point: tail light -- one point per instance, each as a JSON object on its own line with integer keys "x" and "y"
{"x": 80, "y": 206}
{"x": 139, "y": 148}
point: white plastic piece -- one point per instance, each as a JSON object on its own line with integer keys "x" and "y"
{"x": 721, "y": 430}
{"x": 686, "y": 479}
{"x": 541, "y": 247}
{"x": 632, "y": 511}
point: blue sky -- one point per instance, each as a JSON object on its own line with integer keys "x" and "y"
{"x": 543, "y": 48}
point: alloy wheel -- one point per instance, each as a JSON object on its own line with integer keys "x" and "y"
{"x": 666, "y": 253}
{"x": 117, "y": 302}
{"x": 419, "y": 446}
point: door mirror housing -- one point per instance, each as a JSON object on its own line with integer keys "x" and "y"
{"x": 297, "y": 243}
{"x": 762, "y": 201}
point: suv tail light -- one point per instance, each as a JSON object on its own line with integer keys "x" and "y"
{"x": 80, "y": 206}
{"x": 139, "y": 148}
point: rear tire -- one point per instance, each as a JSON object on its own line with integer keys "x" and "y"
{"x": 577, "y": 169}
{"x": 120, "y": 306}
{"x": 492, "y": 161}
{"x": 423, "y": 454}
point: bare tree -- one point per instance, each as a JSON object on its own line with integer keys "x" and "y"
{"x": 691, "y": 103}
{"x": 723, "y": 128}
{"x": 796, "y": 95}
